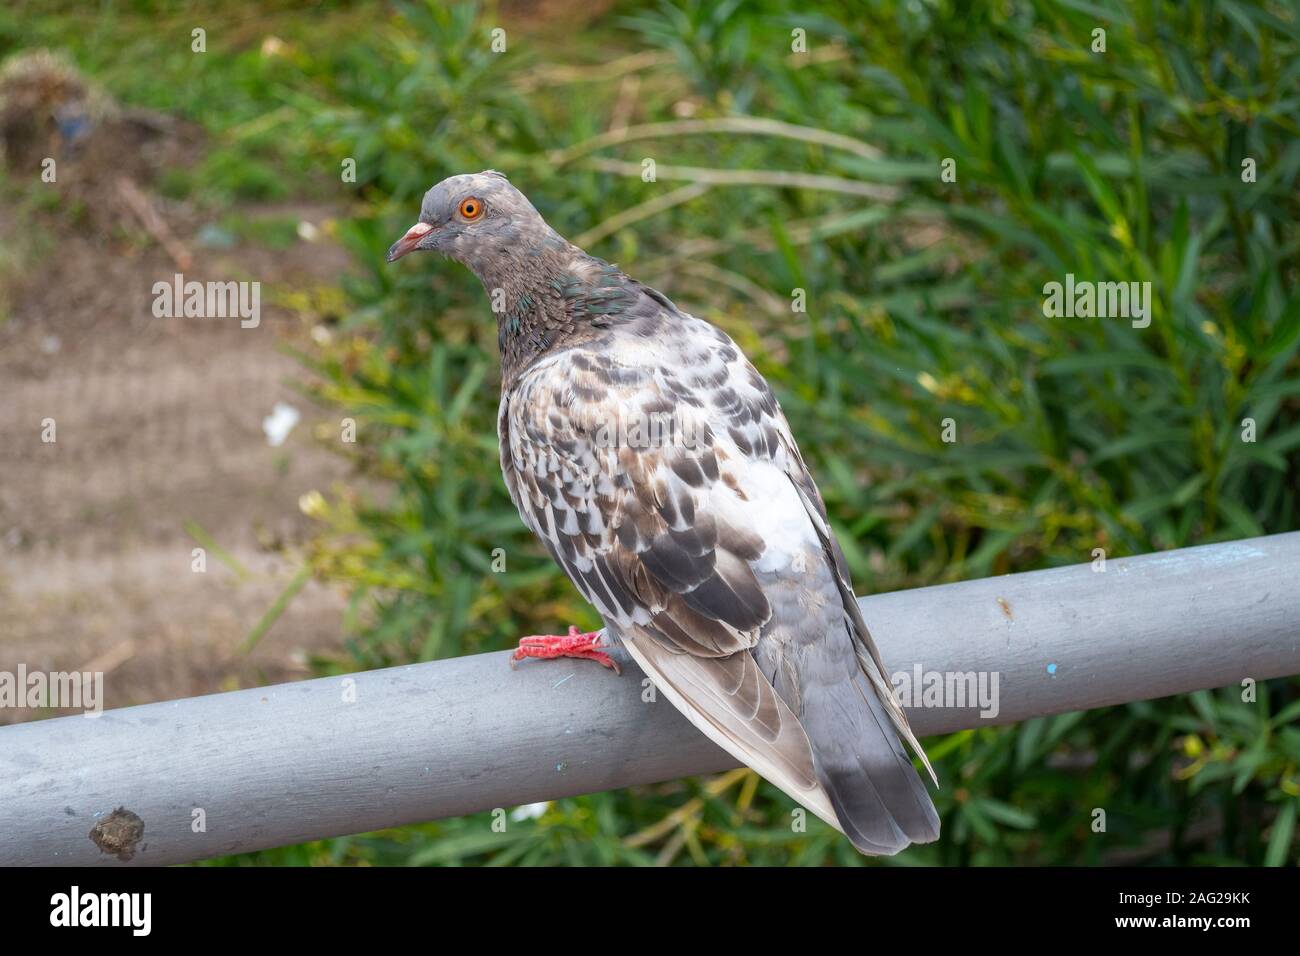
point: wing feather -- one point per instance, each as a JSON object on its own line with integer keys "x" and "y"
{"x": 673, "y": 535}
{"x": 730, "y": 701}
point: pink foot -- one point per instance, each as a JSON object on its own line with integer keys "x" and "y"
{"x": 574, "y": 644}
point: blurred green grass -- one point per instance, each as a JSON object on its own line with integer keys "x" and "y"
{"x": 1073, "y": 434}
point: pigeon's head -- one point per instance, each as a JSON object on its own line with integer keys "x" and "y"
{"x": 476, "y": 219}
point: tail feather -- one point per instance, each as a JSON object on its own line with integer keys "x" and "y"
{"x": 879, "y": 798}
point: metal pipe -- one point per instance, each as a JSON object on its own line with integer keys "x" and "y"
{"x": 277, "y": 765}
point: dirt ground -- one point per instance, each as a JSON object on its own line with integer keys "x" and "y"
{"x": 159, "y": 424}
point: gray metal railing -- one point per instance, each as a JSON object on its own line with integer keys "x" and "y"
{"x": 276, "y": 765}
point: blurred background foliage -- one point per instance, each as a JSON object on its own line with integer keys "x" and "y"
{"x": 924, "y": 303}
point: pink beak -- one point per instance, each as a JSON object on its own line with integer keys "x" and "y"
{"x": 409, "y": 241}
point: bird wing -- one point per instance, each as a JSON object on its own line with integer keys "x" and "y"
{"x": 630, "y": 459}
{"x": 661, "y": 475}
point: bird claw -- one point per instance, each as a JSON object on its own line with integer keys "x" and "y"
{"x": 578, "y": 644}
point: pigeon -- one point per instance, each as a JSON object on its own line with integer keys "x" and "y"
{"x": 654, "y": 463}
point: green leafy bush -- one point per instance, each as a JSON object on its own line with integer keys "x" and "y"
{"x": 1072, "y": 434}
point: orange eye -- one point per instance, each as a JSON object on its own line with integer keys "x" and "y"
{"x": 471, "y": 208}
